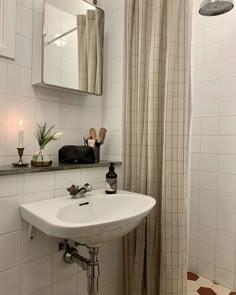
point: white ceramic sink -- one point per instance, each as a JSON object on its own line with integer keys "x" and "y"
{"x": 91, "y": 220}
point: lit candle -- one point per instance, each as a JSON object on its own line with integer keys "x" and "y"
{"x": 21, "y": 135}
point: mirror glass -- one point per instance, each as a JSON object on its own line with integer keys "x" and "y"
{"x": 73, "y": 45}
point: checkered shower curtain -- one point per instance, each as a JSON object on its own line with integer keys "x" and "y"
{"x": 90, "y": 29}
{"x": 157, "y": 123}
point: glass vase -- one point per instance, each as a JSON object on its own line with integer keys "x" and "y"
{"x": 41, "y": 159}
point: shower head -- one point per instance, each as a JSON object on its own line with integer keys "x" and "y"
{"x": 215, "y": 7}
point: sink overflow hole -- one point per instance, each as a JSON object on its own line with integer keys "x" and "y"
{"x": 83, "y": 204}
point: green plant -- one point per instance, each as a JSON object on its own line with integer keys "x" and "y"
{"x": 44, "y": 135}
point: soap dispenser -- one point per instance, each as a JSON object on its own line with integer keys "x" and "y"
{"x": 111, "y": 180}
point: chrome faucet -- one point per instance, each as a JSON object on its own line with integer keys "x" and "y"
{"x": 77, "y": 192}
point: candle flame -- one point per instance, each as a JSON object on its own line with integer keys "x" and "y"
{"x": 21, "y": 123}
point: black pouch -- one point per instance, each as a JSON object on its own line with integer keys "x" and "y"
{"x": 76, "y": 154}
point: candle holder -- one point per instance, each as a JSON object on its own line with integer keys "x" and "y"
{"x": 20, "y": 163}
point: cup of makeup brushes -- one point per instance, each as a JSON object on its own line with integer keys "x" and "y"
{"x": 95, "y": 141}
{"x": 96, "y": 151}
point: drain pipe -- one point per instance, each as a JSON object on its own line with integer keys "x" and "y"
{"x": 93, "y": 272}
{"x": 90, "y": 265}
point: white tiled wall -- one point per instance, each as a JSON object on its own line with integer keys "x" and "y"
{"x": 213, "y": 193}
{"x": 35, "y": 267}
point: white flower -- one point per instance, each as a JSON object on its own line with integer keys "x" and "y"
{"x": 57, "y": 135}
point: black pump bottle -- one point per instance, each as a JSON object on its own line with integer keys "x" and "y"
{"x": 111, "y": 180}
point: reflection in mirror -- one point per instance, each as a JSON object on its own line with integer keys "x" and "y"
{"x": 73, "y": 45}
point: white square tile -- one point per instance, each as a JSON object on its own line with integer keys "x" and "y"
{"x": 196, "y": 144}
{"x": 207, "y": 270}
{"x": 19, "y": 108}
{"x": 82, "y": 284}
{"x": 10, "y": 281}
{"x": 2, "y": 140}
{"x": 48, "y": 94}
{"x": 38, "y": 182}
{"x": 91, "y": 176}
{"x": 208, "y": 162}
{"x": 3, "y": 76}
{"x": 49, "y": 112}
{"x": 193, "y": 230}
{"x": 194, "y": 213}
{"x": 10, "y": 219}
{"x": 194, "y": 196}
{"x": 225, "y": 240}
{"x": 7, "y": 187}
{"x": 226, "y": 163}
{"x": 71, "y": 137}
{"x": 193, "y": 248}
{"x": 227, "y": 107}
{"x": 208, "y": 198}
{"x": 19, "y": 81}
{"x": 196, "y": 126}
{"x": 64, "y": 179}
{"x": 195, "y": 161}
{"x": 10, "y": 250}
{"x": 36, "y": 275}
{"x": 26, "y": 3}
{"x": 192, "y": 265}
{"x": 117, "y": 70}
{"x": 117, "y": 42}
{"x": 209, "y": 144}
{"x": 44, "y": 291}
{"x": 208, "y": 180}
{"x": 226, "y": 221}
{"x": 227, "y": 144}
{"x": 211, "y": 53}
{"x": 62, "y": 270}
{"x": 227, "y": 125}
{"x": 91, "y": 118}
{"x": 225, "y": 259}
{"x": 40, "y": 246}
{"x": 23, "y": 51}
{"x": 3, "y": 112}
{"x": 226, "y": 202}
{"x": 209, "y": 126}
{"x": 71, "y": 116}
{"x": 66, "y": 286}
{"x": 112, "y": 117}
{"x": 224, "y": 277}
{"x": 113, "y": 144}
{"x": 24, "y": 21}
{"x": 225, "y": 183}
{"x": 206, "y": 253}
{"x": 207, "y": 235}
{"x": 40, "y": 196}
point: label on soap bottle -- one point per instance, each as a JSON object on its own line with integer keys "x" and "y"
{"x": 111, "y": 185}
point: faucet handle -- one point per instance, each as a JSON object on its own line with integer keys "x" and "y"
{"x": 73, "y": 190}
{"x": 88, "y": 187}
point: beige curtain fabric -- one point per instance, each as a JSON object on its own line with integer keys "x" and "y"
{"x": 157, "y": 122}
{"x": 90, "y": 44}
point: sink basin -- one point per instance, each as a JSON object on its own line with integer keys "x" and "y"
{"x": 91, "y": 220}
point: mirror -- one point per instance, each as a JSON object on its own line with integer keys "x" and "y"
{"x": 73, "y": 45}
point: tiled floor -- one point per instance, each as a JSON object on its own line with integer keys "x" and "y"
{"x": 200, "y": 286}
